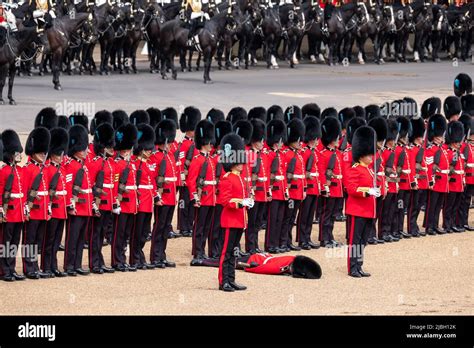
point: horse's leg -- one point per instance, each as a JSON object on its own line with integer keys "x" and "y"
{"x": 165, "y": 52}
{"x": 227, "y": 55}
{"x": 11, "y": 79}
{"x": 416, "y": 48}
{"x": 3, "y": 79}
{"x": 102, "y": 56}
{"x": 220, "y": 50}
{"x": 134, "y": 56}
{"x": 174, "y": 72}
{"x": 190, "y": 59}
{"x": 207, "y": 64}
{"x": 56, "y": 64}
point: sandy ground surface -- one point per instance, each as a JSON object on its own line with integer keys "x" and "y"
{"x": 431, "y": 275}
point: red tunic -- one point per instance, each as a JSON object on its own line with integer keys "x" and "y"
{"x": 346, "y": 162}
{"x": 215, "y": 158}
{"x": 15, "y": 210}
{"x": 407, "y": 176}
{"x": 170, "y": 184}
{"x": 335, "y": 184}
{"x": 269, "y": 264}
{"x": 456, "y": 176}
{"x": 129, "y": 202}
{"x": 440, "y": 178}
{"x": 297, "y": 186}
{"x": 58, "y": 203}
{"x": 392, "y": 184}
{"x": 469, "y": 162}
{"x": 39, "y": 211}
{"x": 262, "y": 185}
{"x": 208, "y": 196}
{"x": 279, "y": 186}
{"x": 234, "y": 215}
{"x": 182, "y": 150}
{"x": 84, "y": 204}
{"x": 95, "y": 166}
{"x": 147, "y": 184}
{"x": 359, "y": 179}
{"x": 312, "y": 175}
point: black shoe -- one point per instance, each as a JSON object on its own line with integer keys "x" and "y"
{"x": 294, "y": 247}
{"x": 305, "y": 246}
{"x": 440, "y": 230}
{"x": 259, "y": 251}
{"x": 363, "y": 274}
{"x": 61, "y": 247}
{"x": 57, "y": 273}
{"x": 131, "y": 268}
{"x": 194, "y": 262}
{"x": 108, "y": 269}
{"x": 313, "y": 245}
{"x": 86, "y": 245}
{"x": 462, "y": 229}
{"x": 468, "y": 228}
{"x": 32, "y": 275}
{"x": 148, "y": 237}
{"x": 415, "y": 235}
{"x": 149, "y": 265}
{"x": 226, "y": 287}
{"x": 169, "y": 264}
{"x": 336, "y": 244}
{"x": 71, "y": 273}
{"x": 187, "y": 233}
{"x": 273, "y": 250}
{"x": 97, "y": 270}
{"x": 372, "y": 241}
{"x": 285, "y": 249}
{"x": 431, "y": 232}
{"x": 387, "y": 238}
{"x": 120, "y": 268}
{"x": 44, "y": 275}
{"x": 50, "y": 273}
{"x": 8, "y": 278}
{"x": 253, "y": 251}
{"x": 105, "y": 242}
{"x": 327, "y": 244}
{"x": 82, "y": 271}
{"x": 18, "y": 276}
{"x": 139, "y": 266}
{"x": 456, "y": 229}
{"x": 315, "y": 221}
{"x": 355, "y": 274}
{"x": 379, "y": 241}
{"x": 171, "y": 234}
{"x": 341, "y": 218}
{"x": 422, "y": 234}
{"x": 394, "y": 238}
{"x": 238, "y": 286}
{"x": 404, "y": 234}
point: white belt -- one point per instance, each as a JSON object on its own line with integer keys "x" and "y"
{"x": 210, "y": 182}
{"x": 248, "y": 179}
{"x": 16, "y": 195}
{"x": 133, "y": 187}
{"x": 446, "y": 171}
{"x": 171, "y": 179}
{"x": 279, "y": 177}
{"x": 380, "y": 173}
{"x": 459, "y": 172}
{"x": 314, "y": 174}
{"x": 406, "y": 171}
{"x": 145, "y": 187}
{"x": 470, "y": 165}
{"x": 42, "y": 193}
{"x": 337, "y": 176}
{"x": 178, "y": 163}
{"x": 297, "y": 176}
{"x": 86, "y": 191}
{"x": 109, "y": 186}
{"x": 61, "y": 193}
{"x": 262, "y": 179}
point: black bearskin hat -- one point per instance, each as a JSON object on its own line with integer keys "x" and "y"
{"x": 38, "y": 141}
{"x": 78, "y": 139}
{"x": 204, "y": 134}
{"x": 189, "y": 119}
{"x": 11, "y": 143}
{"x": 436, "y": 126}
{"x": 221, "y": 129}
{"x": 276, "y": 132}
{"x": 63, "y": 122}
{"x": 165, "y": 132}
{"x": 410, "y": 106}
{"x": 258, "y": 130}
{"x": 312, "y": 128}
{"x": 467, "y": 102}
{"x": 392, "y": 129}
{"x": 363, "y": 142}
{"x": 139, "y": 117}
{"x": 244, "y": 129}
{"x": 329, "y": 112}
{"x": 258, "y": 112}
{"x": 145, "y": 138}
{"x": 274, "y": 112}
{"x": 292, "y": 112}
{"x": 404, "y": 126}
{"x": 379, "y": 124}
{"x": 468, "y": 124}
{"x": 59, "y": 142}
{"x": 104, "y": 136}
{"x": 372, "y": 111}
{"x": 330, "y": 130}
{"x": 359, "y": 111}
{"x": 352, "y": 126}
{"x": 295, "y": 131}
{"x": 233, "y": 151}
{"x": 455, "y": 133}
{"x": 215, "y": 115}
{"x": 462, "y": 84}
{"x": 79, "y": 118}
{"x": 120, "y": 118}
{"x": 100, "y": 117}
{"x": 305, "y": 267}
{"x": 430, "y": 107}
{"x": 311, "y": 109}
{"x": 170, "y": 114}
{"x": 155, "y": 116}
{"x": 236, "y": 114}
{"x": 46, "y": 118}
{"x": 417, "y": 127}
{"x": 452, "y": 106}
{"x": 126, "y": 137}
{"x": 345, "y": 115}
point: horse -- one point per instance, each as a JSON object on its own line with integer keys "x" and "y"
{"x": 271, "y": 31}
{"x": 151, "y": 24}
{"x": 134, "y": 34}
{"x": 385, "y": 29}
{"x": 367, "y": 28}
{"x": 423, "y": 17}
{"x": 246, "y": 34}
{"x": 439, "y": 31}
{"x": 336, "y": 29}
{"x": 10, "y": 53}
{"x": 314, "y": 32}
{"x": 403, "y": 27}
{"x": 292, "y": 22}
{"x": 351, "y": 23}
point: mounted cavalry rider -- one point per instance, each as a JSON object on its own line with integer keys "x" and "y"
{"x": 195, "y": 17}
{"x": 7, "y": 21}
{"x": 42, "y": 11}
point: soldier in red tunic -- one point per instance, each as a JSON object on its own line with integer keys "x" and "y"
{"x": 79, "y": 200}
{"x": 56, "y": 174}
{"x": 467, "y": 152}
{"x": 38, "y": 212}
{"x": 362, "y": 192}
{"x": 103, "y": 175}
{"x": 100, "y": 117}
{"x": 12, "y": 203}
{"x": 146, "y": 188}
{"x": 234, "y": 213}
{"x": 186, "y": 152}
{"x": 201, "y": 183}
{"x": 125, "y": 189}
{"x": 454, "y": 139}
{"x": 166, "y": 190}
{"x": 438, "y": 170}
{"x": 310, "y": 203}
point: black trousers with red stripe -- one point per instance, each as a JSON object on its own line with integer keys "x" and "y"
{"x": 276, "y": 211}
{"x": 10, "y": 234}
{"x": 413, "y": 210}
{"x": 434, "y": 204}
{"x": 305, "y": 219}
{"x": 75, "y": 239}
{"x": 402, "y": 204}
{"x": 51, "y": 241}
{"x": 359, "y": 229}
{"x": 255, "y": 216}
{"x": 124, "y": 224}
{"x": 463, "y": 212}
{"x": 201, "y": 230}
{"x": 98, "y": 232}
{"x": 387, "y": 215}
{"x": 32, "y": 242}
{"x": 216, "y": 237}
{"x": 227, "y": 259}
{"x": 138, "y": 238}
{"x": 451, "y": 207}
{"x": 185, "y": 210}
{"x": 328, "y": 216}
{"x": 159, "y": 236}
{"x": 291, "y": 211}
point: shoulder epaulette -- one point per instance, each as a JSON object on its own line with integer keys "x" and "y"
{"x": 355, "y": 165}
{"x": 226, "y": 174}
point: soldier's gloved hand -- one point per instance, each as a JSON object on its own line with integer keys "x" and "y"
{"x": 374, "y": 192}
{"x": 116, "y": 210}
{"x": 248, "y": 202}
